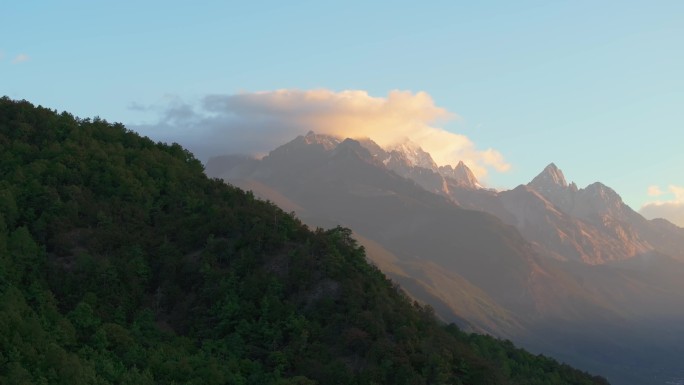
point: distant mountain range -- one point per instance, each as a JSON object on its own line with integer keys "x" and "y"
{"x": 571, "y": 272}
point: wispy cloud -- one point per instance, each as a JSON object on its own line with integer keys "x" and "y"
{"x": 257, "y": 122}
{"x": 135, "y": 106}
{"x": 655, "y": 191}
{"x": 671, "y": 209}
{"x": 21, "y": 58}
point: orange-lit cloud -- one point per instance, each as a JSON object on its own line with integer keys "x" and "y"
{"x": 264, "y": 120}
{"x": 654, "y": 191}
{"x": 672, "y": 209}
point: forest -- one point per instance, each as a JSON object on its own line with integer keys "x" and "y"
{"x": 122, "y": 263}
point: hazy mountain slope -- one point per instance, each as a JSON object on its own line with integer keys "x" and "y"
{"x": 444, "y": 291}
{"x": 348, "y": 185}
{"x": 345, "y": 185}
{"x": 451, "y": 295}
{"x": 575, "y": 304}
{"x": 665, "y": 237}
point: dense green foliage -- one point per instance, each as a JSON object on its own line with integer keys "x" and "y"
{"x": 121, "y": 263}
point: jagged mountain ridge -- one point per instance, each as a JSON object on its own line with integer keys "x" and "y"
{"x": 592, "y": 224}
{"x": 350, "y": 185}
{"x": 612, "y": 229}
{"x": 345, "y": 185}
{"x": 409, "y": 160}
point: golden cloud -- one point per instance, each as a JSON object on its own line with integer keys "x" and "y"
{"x": 387, "y": 120}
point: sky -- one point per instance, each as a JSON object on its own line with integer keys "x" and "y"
{"x": 509, "y": 86}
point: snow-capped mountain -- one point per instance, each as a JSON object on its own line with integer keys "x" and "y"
{"x": 326, "y": 141}
{"x": 410, "y": 161}
{"x": 592, "y": 225}
{"x": 413, "y": 155}
{"x": 577, "y": 266}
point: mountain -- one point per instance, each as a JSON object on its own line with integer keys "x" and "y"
{"x": 616, "y": 231}
{"x": 413, "y": 155}
{"x": 545, "y": 264}
{"x": 592, "y": 225}
{"x": 121, "y": 262}
{"x": 550, "y": 180}
{"x": 410, "y": 161}
{"x": 461, "y": 175}
{"x": 349, "y": 186}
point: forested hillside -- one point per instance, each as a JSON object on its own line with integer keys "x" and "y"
{"x": 122, "y": 263}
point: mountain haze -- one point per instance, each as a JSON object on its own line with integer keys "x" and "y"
{"x": 568, "y": 271}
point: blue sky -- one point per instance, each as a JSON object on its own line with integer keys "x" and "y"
{"x": 596, "y": 87}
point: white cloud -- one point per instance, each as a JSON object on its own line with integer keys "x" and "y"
{"x": 22, "y": 57}
{"x": 678, "y": 192}
{"x": 257, "y": 122}
{"x": 672, "y": 209}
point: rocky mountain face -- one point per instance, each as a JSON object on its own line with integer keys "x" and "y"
{"x": 577, "y": 266}
{"x": 410, "y": 161}
{"x": 461, "y": 175}
{"x": 591, "y": 224}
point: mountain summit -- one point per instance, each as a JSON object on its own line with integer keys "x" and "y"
{"x": 551, "y": 178}
{"x": 461, "y": 174}
{"x": 414, "y": 155}
{"x": 328, "y": 142}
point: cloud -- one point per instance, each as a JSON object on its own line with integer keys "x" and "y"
{"x": 257, "y": 122}
{"x": 135, "y": 106}
{"x": 672, "y": 209}
{"x": 22, "y": 57}
{"x": 654, "y": 191}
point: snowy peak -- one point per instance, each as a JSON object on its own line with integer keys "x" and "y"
{"x": 551, "y": 177}
{"x": 328, "y": 142}
{"x": 352, "y": 148}
{"x": 414, "y": 155}
{"x": 304, "y": 148}
{"x": 461, "y": 174}
{"x": 375, "y": 150}
{"x": 407, "y": 159}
